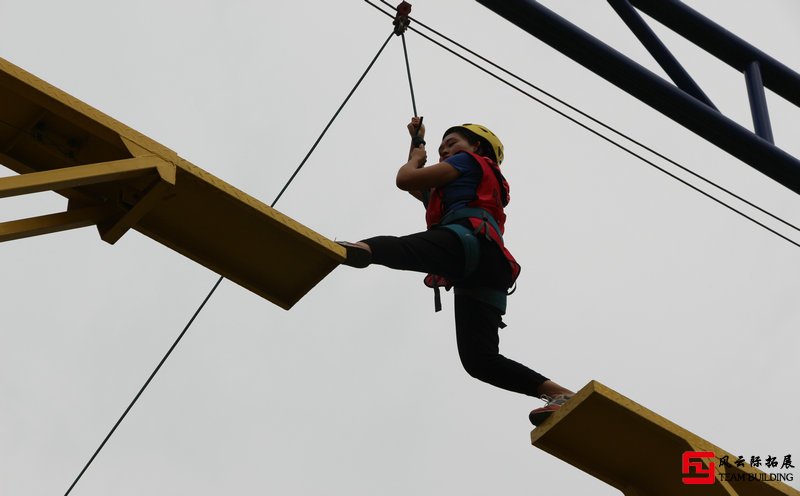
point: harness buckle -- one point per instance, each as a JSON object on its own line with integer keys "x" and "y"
{"x": 401, "y": 20}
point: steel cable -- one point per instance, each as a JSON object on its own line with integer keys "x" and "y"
{"x": 595, "y": 132}
{"x": 216, "y": 285}
{"x": 408, "y": 71}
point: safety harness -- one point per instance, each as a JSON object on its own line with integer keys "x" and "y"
{"x": 484, "y": 213}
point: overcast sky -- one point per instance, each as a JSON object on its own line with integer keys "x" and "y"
{"x": 629, "y": 277}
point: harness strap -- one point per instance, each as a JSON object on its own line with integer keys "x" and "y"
{"x": 472, "y": 248}
{"x": 472, "y": 212}
{"x": 472, "y": 256}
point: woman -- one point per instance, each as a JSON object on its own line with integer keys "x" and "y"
{"x": 464, "y": 195}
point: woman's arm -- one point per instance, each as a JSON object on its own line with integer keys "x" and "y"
{"x": 419, "y": 195}
{"x": 414, "y": 176}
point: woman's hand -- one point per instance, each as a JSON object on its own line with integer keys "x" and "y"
{"x": 418, "y": 156}
{"x": 416, "y": 127}
{"x": 413, "y": 176}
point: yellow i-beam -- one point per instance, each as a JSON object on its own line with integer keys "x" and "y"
{"x": 641, "y": 453}
{"x": 118, "y": 179}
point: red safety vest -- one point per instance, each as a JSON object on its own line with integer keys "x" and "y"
{"x": 492, "y": 195}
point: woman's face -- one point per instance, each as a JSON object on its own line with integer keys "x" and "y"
{"x": 454, "y": 143}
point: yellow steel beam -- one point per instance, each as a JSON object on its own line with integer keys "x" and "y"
{"x": 113, "y": 231}
{"x": 637, "y": 451}
{"x": 23, "y": 168}
{"x": 240, "y": 237}
{"x": 22, "y": 131}
{"x": 83, "y": 175}
{"x": 47, "y": 131}
{"x": 52, "y": 223}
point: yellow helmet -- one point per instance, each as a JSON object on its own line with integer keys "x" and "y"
{"x": 484, "y": 133}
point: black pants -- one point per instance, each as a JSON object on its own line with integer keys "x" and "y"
{"x": 439, "y": 251}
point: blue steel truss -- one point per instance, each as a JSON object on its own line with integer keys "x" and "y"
{"x": 684, "y": 101}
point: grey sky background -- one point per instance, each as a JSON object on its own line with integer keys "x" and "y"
{"x": 628, "y": 277}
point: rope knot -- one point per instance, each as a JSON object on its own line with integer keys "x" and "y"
{"x": 401, "y": 20}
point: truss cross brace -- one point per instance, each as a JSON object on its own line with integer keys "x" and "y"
{"x": 112, "y": 219}
{"x": 684, "y": 103}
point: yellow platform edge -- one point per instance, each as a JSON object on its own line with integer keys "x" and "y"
{"x": 233, "y": 233}
{"x": 630, "y": 447}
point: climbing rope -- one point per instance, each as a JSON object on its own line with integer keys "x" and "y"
{"x": 147, "y": 383}
{"x": 595, "y": 132}
{"x": 335, "y": 115}
{"x": 408, "y": 71}
{"x": 216, "y": 285}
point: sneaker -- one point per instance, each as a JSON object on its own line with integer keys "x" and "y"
{"x": 357, "y": 256}
{"x": 552, "y": 403}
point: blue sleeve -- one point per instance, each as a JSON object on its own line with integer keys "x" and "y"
{"x": 463, "y": 163}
